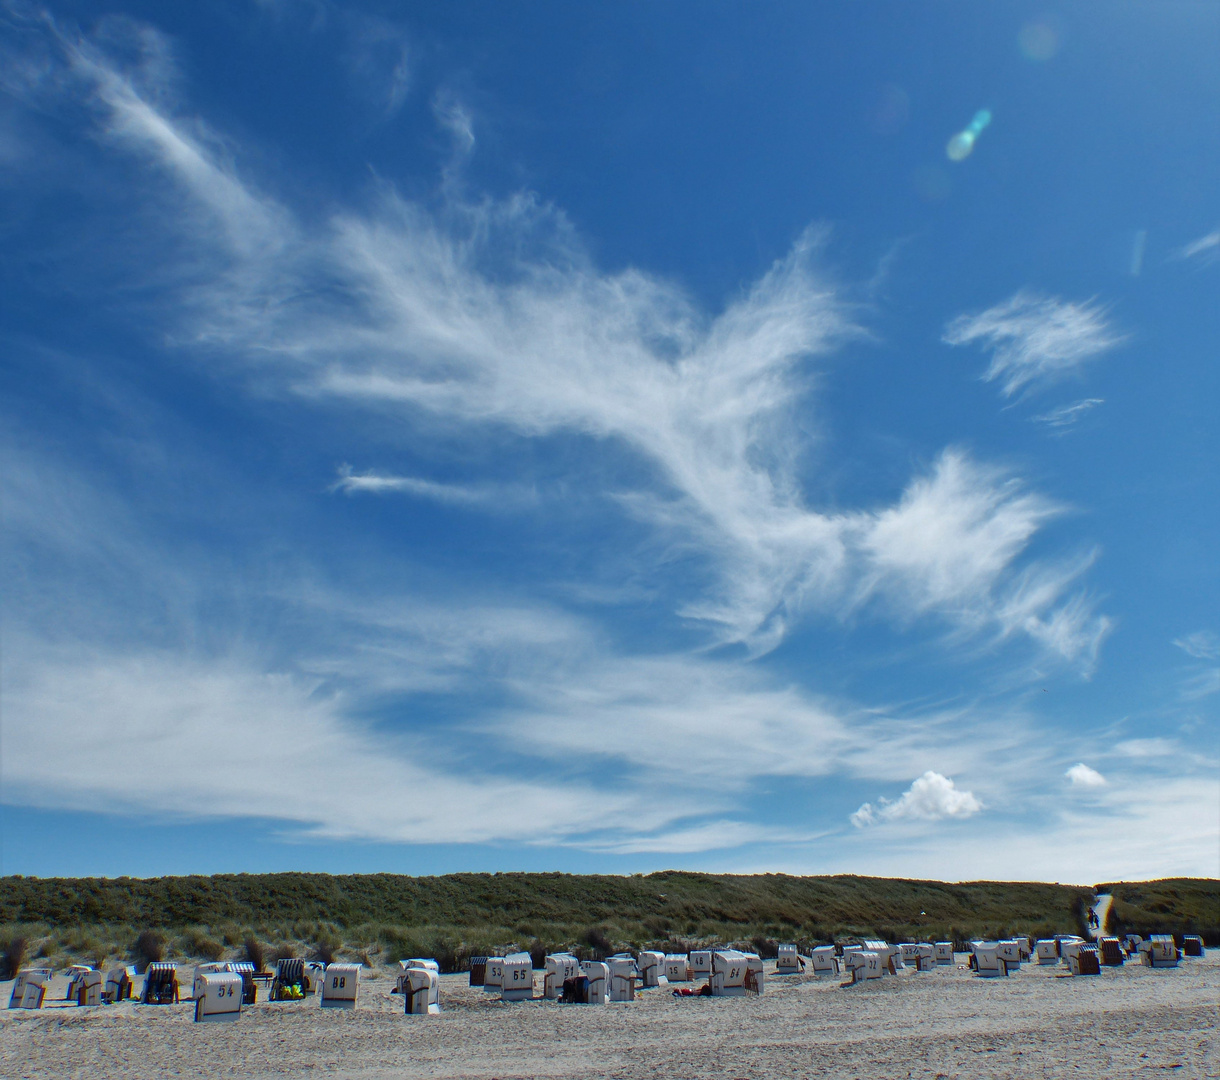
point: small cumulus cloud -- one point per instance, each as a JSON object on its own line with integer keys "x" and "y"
{"x": 1034, "y": 339}
{"x": 931, "y": 797}
{"x": 1080, "y": 775}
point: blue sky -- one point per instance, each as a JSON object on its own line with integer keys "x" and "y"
{"x": 611, "y": 437}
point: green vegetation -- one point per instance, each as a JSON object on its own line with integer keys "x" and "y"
{"x": 1170, "y": 906}
{"x": 381, "y": 918}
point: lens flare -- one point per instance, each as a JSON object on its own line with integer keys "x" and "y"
{"x": 962, "y": 144}
{"x": 1039, "y": 40}
{"x": 890, "y": 109}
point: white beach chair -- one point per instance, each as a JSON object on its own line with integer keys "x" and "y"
{"x": 728, "y": 975}
{"x": 677, "y": 968}
{"x": 701, "y": 964}
{"x": 598, "y": 975}
{"x": 788, "y": 961}
{"x": 421, "y": 991}
{"x": 755, "y": 978}
{"x": 1009, "y": 951}
{"x": 823, "y": 960}
{"x": 75, "y": 973}
{"x": 988, "y": 963}
{"x": 517, "y": 978}
{"x": 118, "y": 984}
{"x": 89, "y": 988}
{"x": 30, "y": 988}
{"x": 919, "y": 956}
{"x": 652, "y": 969}
{"x": 864, "y": 964}
{"x": 1046, "y": 951}
{"x": 493, "y": 975}
{"x": 559, "y": 968}
{"x": 622, "y": 973}
{"x": 1159, "y": 951}
{"x": 217, "y": 996}
{"x": 340, "y": 986}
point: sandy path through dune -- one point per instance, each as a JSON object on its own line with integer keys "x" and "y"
{"x": 1128, "y": 1022}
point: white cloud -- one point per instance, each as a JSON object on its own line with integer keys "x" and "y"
{"x": 1080, "y": 775}
{"x": 932, "y": 797}
{"x": 109, "y": 653}
{"x": 1204, "y": 681}
{"x": 952, "y": 535}
{"x": 1169, "y": 828}
{"x": 1066, "y": 415}
{"x": 1148, "y": 748}
{"x": 1035, "y": 339}
{"x": 455, "y": 118}
{"x": 1202, "y": 684}
{"x": 489, "y": 317}
{"x": 375, "y": 483}
{"x": 1206, "y": 246}
{"x": 1202, "y": 645}
{"x": 379, "y": 59}
{"x": 210, "y": 737}
{"x": 194, "y": 157}
{"x": 950, "y": 545}
{"x": 717, "y": 835}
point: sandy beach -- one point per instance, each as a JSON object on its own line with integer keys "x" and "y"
{"x": 1127, "y": 1022}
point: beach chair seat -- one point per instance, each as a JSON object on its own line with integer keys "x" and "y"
{"x": 160, "y": 984}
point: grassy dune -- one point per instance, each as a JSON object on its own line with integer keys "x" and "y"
{"x": 1169, "y": 906}
{"x": 382, "y": 917}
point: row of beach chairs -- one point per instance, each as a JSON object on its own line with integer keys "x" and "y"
{"x": 220, "y": 989}
{"x": 729, "y": 973}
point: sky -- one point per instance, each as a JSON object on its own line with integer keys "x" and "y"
{"x": 610, "y": 437}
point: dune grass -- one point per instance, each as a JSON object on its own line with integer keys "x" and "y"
{"x": 1170, "y": 906}
{"x": 380, "y": 918}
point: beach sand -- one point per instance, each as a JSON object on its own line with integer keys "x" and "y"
{"x": 1128, "y": 1022}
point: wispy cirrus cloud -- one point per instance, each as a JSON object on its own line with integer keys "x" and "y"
{"x": 932, "y": 797}
{"x": 213, "y": 737}
{"x": 378, "y": 57}
{"x": 1067, "y": 415}
{"x": 1206, "y": 248}
{"x": 1202, "y": 645}
{"x": 452, "y": 115}
{"x": 376, "y": 51}
{"x": 127, "y": 654}
{"x": 1035, "y": 339}
{"x": 1204, "y": 681}
{"x": 491, "y": 317}
{"x": 490, "y": 497}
